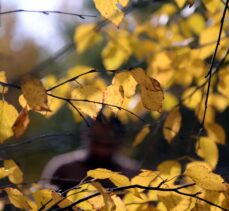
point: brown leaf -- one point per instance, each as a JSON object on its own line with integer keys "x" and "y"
{"x": 21, "y": 123}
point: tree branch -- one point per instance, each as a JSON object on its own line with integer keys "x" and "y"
{"x": 113, "y": 190}
{"x": 48, "y": 12}
{"x": 210, "y": 72}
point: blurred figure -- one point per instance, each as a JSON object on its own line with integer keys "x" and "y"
{"x": 104, "y": 138}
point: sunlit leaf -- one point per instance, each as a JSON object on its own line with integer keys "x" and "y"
{"x": 8, "y": 115}
{"x": 216, "y": 133}
{"x": 172, "y": 125}
{"x": 180, "y": 3}
{"x": 192, "y": 97}
{"x": 116, "y": 52}
{"x": 3, "y": 79}
{"x": 108, "y": 201}
{"x": 110, "y": 10}
{"x": 21, "y": 123}
{"x": 204, "y": 178}
{"x": 34, "y": 93}
{"x": 207, "y": 149}
{"x": 85, "y": 36}
{"x": 16, "y": 175}
{"x": 169, "y": 169}
{"x": 116, "y": 178}
{"x": 17, "y": 198}
{"x": 151, "y": 92}
{"x": 114, "y": 95}
{"x": 88, "y": 93}
{"x": 141, "y": 135}
{"x": 125, "y": 80}
{"x": 211, "y": 5}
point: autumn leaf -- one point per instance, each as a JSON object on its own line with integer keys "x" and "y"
{"x": 172, "y": 125}
{"x": 85, "y": 36}
{"x": 110, "y": 10}
{"x": 8, "y": 115}
{"x": 87, "y": 93}
{"x": 3, "y": 89}
{"x": 127, "y": 82}
{"x": 16, "y": 175}
{"x": 34, "y": 93}
{"x": 117, "y": 51}
{"x": 21, "y": 123}
{"x": 114, "y": 177}
{"x": 216, "y": 133}
{"x": 151, "y": 92}
{"x": 113, "y": 95}
{"x": 17, "y": 198}
{"x": 180, "y": 3}
{"x": 204, "y": 177}
{"x": 207, "y": 149}
{"x": 141, "y": 135}
{"x": 108, "y": 201}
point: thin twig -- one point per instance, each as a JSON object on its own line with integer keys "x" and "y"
{"x": 47, "y": 12}
{"x": 96, "y": 102}
{"x": 29, "y": 141}
{"x": 71, "y": 79}
{"x": 176, "y": 190}
{"x": 209, "y": 75}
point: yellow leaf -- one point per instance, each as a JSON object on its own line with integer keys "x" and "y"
{"x": 170, "y": 101}
{"x": 180, "y": 3}
{"x": 192, "y": 97}
{"x": 113, "y": 95}
{"x": 21, "y": 123}
{"x": 125, "y": 80}
{"x": 34, "y": 93}
{"x": 151, "y": 92}
{"x": 196, "y": 22}
{"x": 8, "y": 115}
{"x": 46, "y": 198}
{"x": 211, "y": 5}
{"x": 81, "y": 69}
{"x": 117, "y": 51}
{"x": 108, "y": 201}
{"x": 114, "y": 177}
{"x": 110, "y": 10}
{"x": 81, "y": 192}
{"x": 141, "y": 135}
{"x": 16, "y": 175}
{"x": 216, "y": 133}
{"x": 145, "y": 178}
{"x": 209, "y": 35}
{"x": 204, "y": 178}
{"x": 172, "y": 125}
{"x": 4, "y": 172}
{"x": 3, "y": 89}
{"x": 119, "y": 204}
{"x": 169, "y": 169}
{"x": 88, "y": 93}
{"x": 86, "y": 36}
{"x": 17, "y": 198}
{"x": 207, "y": 149}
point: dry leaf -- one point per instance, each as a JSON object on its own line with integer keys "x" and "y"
{"x": 21, "y": 123}
{"x": 151, "y": 92}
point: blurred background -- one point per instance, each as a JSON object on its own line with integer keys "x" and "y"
{"x": 43, "y": 44}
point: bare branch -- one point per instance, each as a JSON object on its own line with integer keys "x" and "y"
{"x": 113, "y": 190}
{"x": 29, "y": 141}
{"x": 71, "y": 79}
{"x": 47, "y": 12}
